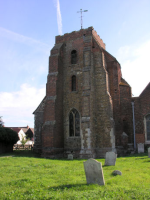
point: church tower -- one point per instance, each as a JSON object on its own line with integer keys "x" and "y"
{"x": 76, "y": 114}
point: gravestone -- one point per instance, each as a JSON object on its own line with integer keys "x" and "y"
{"x": 110, "y": 158}
{"x": 149, "y": 152}
{"x": 140, "y": 147}
{"x": 94, "y": 172}
{"x": 70, "y": 156}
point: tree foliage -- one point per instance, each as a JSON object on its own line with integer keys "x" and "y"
{"x": 8, "y": 136}
{"x": 1, "y": 122}
{"x": 23, "y": 140}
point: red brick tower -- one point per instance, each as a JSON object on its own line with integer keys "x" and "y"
{"x": 87, "y": 102}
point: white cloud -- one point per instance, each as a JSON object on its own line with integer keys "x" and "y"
{"x": 17, "y": 107}
{"x": 59, "y": 19}
{"x": 135, "y": 65}
{"x": 22, "y": 59}
{"x": 21, "y": 38}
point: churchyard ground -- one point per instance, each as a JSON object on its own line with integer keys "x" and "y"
{"x": 24, "y": 176}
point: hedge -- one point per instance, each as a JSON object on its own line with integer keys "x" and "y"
{"x": 8, "y": 136}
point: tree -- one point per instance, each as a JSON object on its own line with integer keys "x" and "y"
{"x": 8, "y": 136}
{"x": 1, "y": 122}
{"x": 23, "y": 140}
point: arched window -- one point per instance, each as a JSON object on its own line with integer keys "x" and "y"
{"x": 73, "y": 82}
{"x": 74, "y": 123}
{"x": 73, "y": 57}
{"x": 148, "y": 126}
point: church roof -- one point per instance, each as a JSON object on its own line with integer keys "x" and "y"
{"x": 41, "y": 106}
{"x": 109, "y": 57}
{"x": 124, "y": 83}
{"x": 147, "y": 89}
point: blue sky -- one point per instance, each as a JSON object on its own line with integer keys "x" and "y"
{"x": 27, "y": 34}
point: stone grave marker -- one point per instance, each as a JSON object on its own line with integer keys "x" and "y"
{"x": 140, "y": 147}
{"x": 110, "y": 158}
{"x": 70, "y": 156}
{"x": 94, "y": 172}
{"x": 149, "y": 152}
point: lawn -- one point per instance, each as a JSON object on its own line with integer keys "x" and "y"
{"x": 25, "y": 176}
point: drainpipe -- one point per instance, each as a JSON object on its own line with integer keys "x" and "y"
{"x": 133, "y": 124}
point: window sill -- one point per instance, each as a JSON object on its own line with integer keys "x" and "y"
{"x": 74, "y": 91}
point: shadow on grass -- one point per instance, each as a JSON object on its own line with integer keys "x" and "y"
{"x": 136, "y": 155}
{"x": 69, "y": 186}
{"x": 29, "y": 153}
{"x": 147, "y": 160}
{"x": 20, "y": 153}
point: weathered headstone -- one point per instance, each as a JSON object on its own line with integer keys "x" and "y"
{"x": 110, "y": 158}
{"x": 149, "y": 152}
{"x": 70, "y": 156}
{"x": 94, "y": 172}
{"x": 140, "y": 147}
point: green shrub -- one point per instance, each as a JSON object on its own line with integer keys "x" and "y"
{"x": 8, "y": 136}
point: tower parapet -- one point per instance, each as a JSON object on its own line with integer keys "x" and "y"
{"x": 81, "y": 33}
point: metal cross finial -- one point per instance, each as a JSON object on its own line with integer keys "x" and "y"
{"x": 81, "y": 15}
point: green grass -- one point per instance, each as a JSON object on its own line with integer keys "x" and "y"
{"x": 25, "y": 176}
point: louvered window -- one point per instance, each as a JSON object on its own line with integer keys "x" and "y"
{"x": 73, "y": 83}
{"x": 73, "y": 57}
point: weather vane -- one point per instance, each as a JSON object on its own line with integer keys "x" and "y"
{"x": 81, "y": 15}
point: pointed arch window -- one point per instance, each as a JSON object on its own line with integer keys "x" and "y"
{"x": 73, "y": 57}
{"x": 74, "y": 123}
{"x": 73, "y": 82}
{"x": 148, "y": 127}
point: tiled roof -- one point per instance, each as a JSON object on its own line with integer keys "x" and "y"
{"x": 17, "y": 129}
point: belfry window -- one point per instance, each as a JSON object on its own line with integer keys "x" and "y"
{"x": 148, "y": 126}
{"x": 73, "y": 86}
{"x": 73, "y": 57}
{"x": 74, "y": 123}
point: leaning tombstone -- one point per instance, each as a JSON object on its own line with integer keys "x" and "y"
{"x": 149, "y": 152}
{"x": 94, "y": 172}
{"x": 70, "y": 156}
{"x": 110, "y": 158}
{"x": 140, "y": 147}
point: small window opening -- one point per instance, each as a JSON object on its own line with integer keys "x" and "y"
{"x": 74, "y": 123}
{"x": 73, "y": 83}
{"x": 74, "y": 57}
{"x": 83, "y": 36}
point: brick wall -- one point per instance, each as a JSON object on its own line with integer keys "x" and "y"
{"x": 142, "y": 108}
{"x": 52, "y": 133}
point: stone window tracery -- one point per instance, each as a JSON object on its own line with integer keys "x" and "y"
{"x": 73, "y": 57}
{"x": 74, "y": 123}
